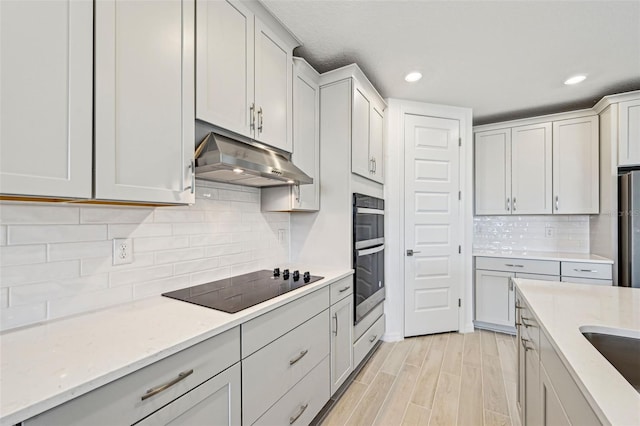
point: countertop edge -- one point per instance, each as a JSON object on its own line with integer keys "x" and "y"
{"x": 550, "y": 256}
{"x": 68, "y": 394}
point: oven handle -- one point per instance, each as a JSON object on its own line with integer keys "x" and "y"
{"x": 370, "y": 251}
{"x": 369, "y": 243}
{"x": 365, "y": 210}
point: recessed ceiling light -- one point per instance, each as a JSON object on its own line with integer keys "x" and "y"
{"x": 575, "y": 79}
{"x": 413, "y": 77}
{"x": 236, "y": 170}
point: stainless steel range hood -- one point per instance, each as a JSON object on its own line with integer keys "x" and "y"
{"x": 220, "y": 158}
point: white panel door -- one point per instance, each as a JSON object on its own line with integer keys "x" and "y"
{"x": 376, "y": 148}
{"x": 46, "y": 77}
{"x": 144, "y": 106}
{"x": 629, "y": 124}
{"x": 575, "y": 166}
{"x": 273, "y": 83}
{"x": 224, "y": 74}
{"x": 493, "y": 172}
{"x": 433, "y": 223}
{"x": 531, "y": 169}
{"x": 495, "y": 298}
{"x": 360, "y": 128}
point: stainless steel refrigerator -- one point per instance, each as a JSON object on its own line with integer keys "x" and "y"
{"x": 629, "y": 262}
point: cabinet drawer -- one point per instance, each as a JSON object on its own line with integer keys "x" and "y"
{"x": 601, "y": 271}
{"x": 269, "y": 373}
{"x": 529, "y": 327}
{"x": 545, "y": 267}
{"x": 538, "y": 277}
{"x": 368, "y": 340}
{"x": 340, "y": 289}
{"x": 366, "y": 322}
{"x": 301, "y": 404}
{"x": 263, "y": 330}
{"x": 575, "y": 405}
{"x": 122, "y": 399}
{"x": 575, "y": 280}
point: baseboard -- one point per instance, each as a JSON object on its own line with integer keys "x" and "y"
{"x": 392, "y": 337}
{"x": 494, "y": 327}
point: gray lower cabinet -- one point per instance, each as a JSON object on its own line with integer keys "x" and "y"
{"x": 341, "y": 342}
{"x": 190, "y": 379}
{"x": 552, "y": 411}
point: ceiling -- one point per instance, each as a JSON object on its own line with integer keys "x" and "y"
{"x": 504, "y": 59}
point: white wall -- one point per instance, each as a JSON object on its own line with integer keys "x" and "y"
{"x": 394, "y": 216}
{"x": 527, "y": 233}
{"x": 56, "y": 259}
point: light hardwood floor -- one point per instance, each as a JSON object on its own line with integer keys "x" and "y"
{"x": 443, "y": 379}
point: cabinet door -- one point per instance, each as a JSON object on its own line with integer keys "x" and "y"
{"x": 273, "y": 88}
{"x": 629, "y": 135}
{"x": 361, "y": 163}
{"x": 552, "y": 411}
{"x": 531, "y": 169}
{"x": 495, "y": 297}
{"x": 376, "y": 148}
{"x": 532, "y": 402}
{"x": 306, "y": 136}
{"x": 341, "y": 342}
{"x": 46, "y": 77}
{"x": 493, "y": 172}
{"x": 576, "y": 166}
{"x": 144, "y": 106}
{"x": 520, "y": 394}
{"x": 224, "y": 74}
{"x": 215, "y": 402}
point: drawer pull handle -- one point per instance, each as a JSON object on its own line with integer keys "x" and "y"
{"x": 293, "y": 419}
{"x": 158, "y": 389}
{"x": 373, "y": 338}
{"x": 299, "y": 357}
{"x": 511, "y": 265}
{"x": 519, "y": 307}
{"x": 524, "y": 322}
{"x": 585, "y": 270}
{"x": 335, "y": 317}
{"x": 342, "y": 290}
{"x": 524, "y": 344}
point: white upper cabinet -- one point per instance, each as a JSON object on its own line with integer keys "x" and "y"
{"x": 493, "y": 172}
{"x": 46, "y": 74}
{"x": 576, "y": 166}
{"x": 224, "y": 74}
{"x": 367, "y": 132}
{"x": 531, "y": 169}
{"x": 538, "y": 167}
{"x": 306, "y": 145}
{"x": 144, "y": 105}
{"x": 629, "y": 137}
{"x": 244, "y": 71}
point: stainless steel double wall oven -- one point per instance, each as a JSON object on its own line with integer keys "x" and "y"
{"x": 368, "y": 253}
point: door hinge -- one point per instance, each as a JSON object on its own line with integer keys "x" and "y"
{"x": 459, "y": 303}
{"x": 460, "y": 249}
{"x": 459, "y": 141}
{"x": 459, "y": 195}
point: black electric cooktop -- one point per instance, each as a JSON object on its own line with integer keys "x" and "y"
{"x": 234, "y": 294}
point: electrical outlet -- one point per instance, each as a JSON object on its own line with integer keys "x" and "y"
{"x": 549, "y": 232}
{"x": 122, "y": 251}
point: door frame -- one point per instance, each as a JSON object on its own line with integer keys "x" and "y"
{"x": 395, "y": 211}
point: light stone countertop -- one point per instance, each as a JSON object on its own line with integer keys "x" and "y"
{"x": 45, "y": 365}
{"x": 561, "y": 311}
{"x": 544, "y": 255}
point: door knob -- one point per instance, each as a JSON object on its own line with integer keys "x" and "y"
{"x": 410, "y": 252}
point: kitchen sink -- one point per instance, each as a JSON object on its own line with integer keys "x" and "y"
{"x": 623, "y": 352}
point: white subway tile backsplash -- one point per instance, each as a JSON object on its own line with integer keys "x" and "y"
{"x": 144, "y": 244}
{"x": 134, "y": 215}
{"x": 139, "y": 275}
{"x": 172, "y": 256}
{"x": 66, "y": 251}
{"x": 38, "y": 234}
{"x": 528, "y": 233}
{"x": 42, "y": 214}
{"x": 56, "y": 260}
{"x": 19, "y": 316}
{"x": 142, "y": 230}
{"x": 11, "y": 276}
{"x": 23, "y": 255}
